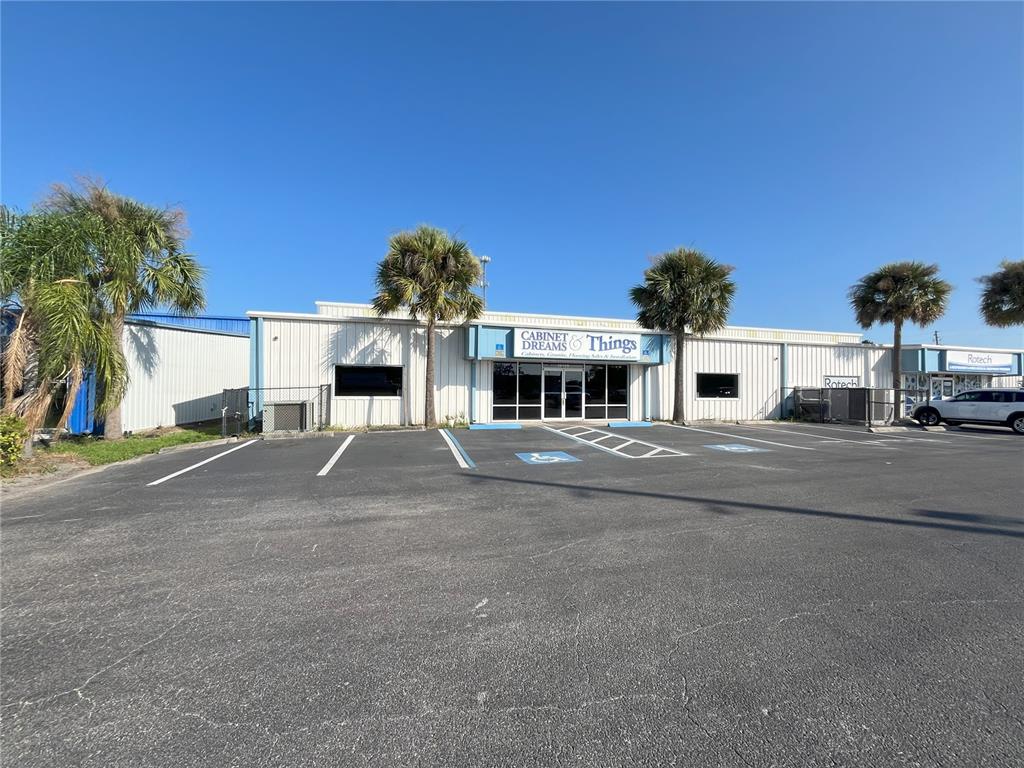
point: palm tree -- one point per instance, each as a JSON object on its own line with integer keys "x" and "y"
{"x": 905, "y": 291}
{"x": 139, "y": 262}
{"x": 432, "y": 276}
{"x": 56, "y": 332}
{"x": 1002, "y": 299}
{"x": 684, "y": 292}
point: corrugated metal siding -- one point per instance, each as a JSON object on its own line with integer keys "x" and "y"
{"x": 303, "y": 353}
{"x": 809, "y": 365}
{"x": 220, "y": 323}
{"x": 758, "y": 367}
{"x": 177, "y": 375}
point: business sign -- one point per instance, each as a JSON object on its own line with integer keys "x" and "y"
{"x": 842, "y": 382}
{"x": 979, "y": 362}
{"x": 576, "y": 345}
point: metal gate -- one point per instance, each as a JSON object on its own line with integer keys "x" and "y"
{"x": 276, "y": 409}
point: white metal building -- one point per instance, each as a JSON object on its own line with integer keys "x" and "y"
{"x": 522, "y": 367}
{"x": 178, "y": 373}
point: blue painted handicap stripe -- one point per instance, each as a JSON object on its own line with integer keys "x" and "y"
{"x": 735, "y": 448}
{"x": 496, "y": 426}
{"x": 618, "y": 424}
{"x": 546, "y": 457}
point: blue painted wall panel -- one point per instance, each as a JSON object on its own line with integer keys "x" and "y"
{"x": 495, "y": 342}
{"x": 83, "y": 418}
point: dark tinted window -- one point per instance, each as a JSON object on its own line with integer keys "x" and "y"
{"x": 718, "y": 385}
{"x": 529, "y": 385}
{"x": 505, "y": 385}
{"x": 618, "y": 385}
{"x": 1020, "y": 397}
{"x": 363, "y": 380}
{"x": 595, "y": 386}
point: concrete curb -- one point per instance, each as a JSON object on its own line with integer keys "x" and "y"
{"x": 192, "y": 446}
{"x": 298, "y": 435}
{"x": 44, "y": 484}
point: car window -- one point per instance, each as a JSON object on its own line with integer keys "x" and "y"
{"x": 1002, "y": 397}
{"x": 1020, "y": 397}
{"x": 965, "y": 397}
{"x": 984, "y": 397}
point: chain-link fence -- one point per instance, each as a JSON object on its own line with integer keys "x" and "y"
{"x": 275, "y": 409}
{"x": 854, "y": 405}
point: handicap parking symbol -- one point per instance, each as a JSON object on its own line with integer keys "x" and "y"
{"x": 546, "y": 457}
{"x": 735, "y": 448}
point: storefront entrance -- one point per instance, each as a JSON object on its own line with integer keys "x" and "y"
{"x": 563, "y": 393}
{"x": 941, "y": 386}
{"x": 559, "y": 391}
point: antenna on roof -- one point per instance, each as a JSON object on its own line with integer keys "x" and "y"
{"x": 484, "y": 261}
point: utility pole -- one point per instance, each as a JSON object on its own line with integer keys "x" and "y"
{"x": 484, "y": 261}
{"x": 937, "y": 341}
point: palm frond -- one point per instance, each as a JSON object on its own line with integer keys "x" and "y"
{"x": 684, "y": 291}
{"x": 1002, "y": 296}
{"x": 906, "y": 291}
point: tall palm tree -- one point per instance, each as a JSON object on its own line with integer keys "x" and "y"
{"x": 1002, "y": 298}
{"x": 432, "y": 276}
{"x": 684, "y": 292}
{"x": 139, "y": 261}
{"x": 56, "y": 332}
{"x": 898, "y": 293}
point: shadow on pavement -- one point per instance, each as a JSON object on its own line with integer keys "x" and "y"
{"x": 720, "y": 505}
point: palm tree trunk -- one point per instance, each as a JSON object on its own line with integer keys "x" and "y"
{"x": 897, "y": 369}
{"x": 431, "y": 413}
{"x": 678, "y": 412}
{"x": 112, "y": 429}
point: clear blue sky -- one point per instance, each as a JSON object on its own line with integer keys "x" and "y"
{"x": 802, "y": 143}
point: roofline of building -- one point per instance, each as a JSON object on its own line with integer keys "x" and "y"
{"x": 596, "y": 320}
{"x": 172, "y": 327}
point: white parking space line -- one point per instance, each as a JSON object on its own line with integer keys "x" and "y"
{"x": 657, "y": 452}
{"x": 201, "y": 463}
{"x": 784, "y": 430}
{"x": 888, "y": 435}
{"x": 955, "y": 434}
{"x": 337, "y": 455}
{"x": 461, "y": 457}
{"x": 739, "y": 437}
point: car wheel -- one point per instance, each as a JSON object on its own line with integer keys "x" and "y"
{"x": 928, "y": 417}
{"x": 1017, "y": 423}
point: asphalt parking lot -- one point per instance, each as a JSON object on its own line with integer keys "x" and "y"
{"x": 733, "y": 595}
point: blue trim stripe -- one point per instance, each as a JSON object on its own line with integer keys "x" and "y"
{"x": 619, "y": 424}
{"x": 496, "y": 426}
{"x": 458, "y": 446}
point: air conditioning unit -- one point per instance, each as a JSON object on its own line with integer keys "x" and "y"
{"x": 293, "y": 416}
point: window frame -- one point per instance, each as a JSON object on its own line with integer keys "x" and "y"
{"x": 696, "y": 386}
{"x": 339, "y": 366}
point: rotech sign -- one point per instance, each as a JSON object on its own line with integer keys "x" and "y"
{"x": 980, "y": 362}
{"x": 576, "y": 345}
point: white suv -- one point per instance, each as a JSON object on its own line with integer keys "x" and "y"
{"x": 1004, "y": 407}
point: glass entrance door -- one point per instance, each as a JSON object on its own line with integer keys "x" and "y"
{"x": 941, "y": 386}
{"x": 563, "y": 393}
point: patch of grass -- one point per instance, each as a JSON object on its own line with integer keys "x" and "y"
{"x": 98, "y": 451}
